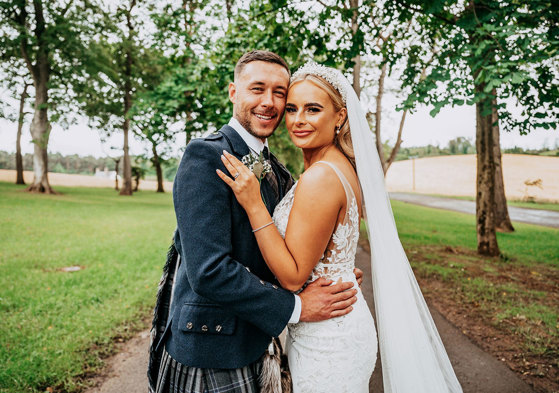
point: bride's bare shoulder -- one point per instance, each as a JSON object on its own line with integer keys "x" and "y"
{"x": 320, "y": 181}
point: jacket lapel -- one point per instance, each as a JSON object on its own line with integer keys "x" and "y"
{"x": 285, "y": 180}
{"x": 239, "y": 146}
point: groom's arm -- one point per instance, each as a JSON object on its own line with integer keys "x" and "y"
{"x": 203, "y": 209}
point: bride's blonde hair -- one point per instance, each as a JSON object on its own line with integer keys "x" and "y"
{"x": 342, "y": 140}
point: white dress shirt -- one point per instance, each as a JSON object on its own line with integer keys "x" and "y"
{"x": 256, "y": 145}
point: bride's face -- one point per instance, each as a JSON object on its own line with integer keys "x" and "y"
{"x": 310, "y": 116}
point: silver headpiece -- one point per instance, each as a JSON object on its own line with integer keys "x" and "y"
{"x": 331, "y": 75}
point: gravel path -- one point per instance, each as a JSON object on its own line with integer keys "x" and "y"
{"x": 478, "y": 371}
{"x": 531, "y": 216}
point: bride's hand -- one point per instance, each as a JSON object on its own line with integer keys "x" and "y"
{"x": 244, "y": 184}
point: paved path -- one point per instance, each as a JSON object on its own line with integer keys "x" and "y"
{"x": 531, "y": 216}
{"x": 477, "y": 371}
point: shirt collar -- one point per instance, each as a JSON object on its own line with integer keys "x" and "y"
{"x": 254, "y": 143}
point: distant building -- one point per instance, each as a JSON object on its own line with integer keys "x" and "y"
{"x": 106, "y": 174}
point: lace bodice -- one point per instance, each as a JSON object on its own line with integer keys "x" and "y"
{"x": 338, "y": 354}
{"x": 338, "y": 259}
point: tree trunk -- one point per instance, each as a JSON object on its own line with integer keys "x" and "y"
{"x": 502, "y": 219}
{"x": 137, "y": 182}
{"x": 354, "y": 4}
{"x": 228, "y": 7}
{"x": 378, "y": 115}
{"x": 40, "y": 132}
{"x": 397, "y": 145}
{"x": 117, "y": 163}
{"x": 127, "y": 167}
{"x": 40, "y": 127}
{"x": 485, "y": 187}
{"x": 157, "y": 164}
{"x": 19, "y": 157}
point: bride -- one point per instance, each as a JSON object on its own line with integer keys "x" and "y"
{"x": 315, "y": 235}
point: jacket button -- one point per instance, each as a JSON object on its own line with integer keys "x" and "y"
{"x": 204, "y": 328}
{"x": 218, "y": 328}
{"x": 189, "y": 325}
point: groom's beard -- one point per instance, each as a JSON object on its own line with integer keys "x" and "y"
{"x": 244, "y": 118}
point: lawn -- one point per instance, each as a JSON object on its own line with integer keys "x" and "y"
{"x": 524, "y": 204}
{"x": 528, "y": 244}
{"x": 56, "y": 325}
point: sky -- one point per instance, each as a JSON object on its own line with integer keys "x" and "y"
{"x": 420, "y": 129}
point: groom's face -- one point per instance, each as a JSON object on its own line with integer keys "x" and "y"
{"x": 258, "y": 95}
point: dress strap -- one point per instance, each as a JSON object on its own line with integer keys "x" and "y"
{"x": 350, "y": 195}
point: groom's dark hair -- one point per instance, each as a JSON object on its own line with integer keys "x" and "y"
{"x": 259, "y": 55}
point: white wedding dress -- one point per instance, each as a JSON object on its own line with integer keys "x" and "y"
{"x": 337, "y": 355}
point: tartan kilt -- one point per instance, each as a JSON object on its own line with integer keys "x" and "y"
{"x": 175, "y": 377}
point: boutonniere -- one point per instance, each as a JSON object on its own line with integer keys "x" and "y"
{"x": 257, "y": 165}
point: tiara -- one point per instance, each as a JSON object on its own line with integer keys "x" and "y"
{"x": 331, "y": 75}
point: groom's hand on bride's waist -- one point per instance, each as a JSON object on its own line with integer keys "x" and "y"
{"x": 321, "y": 300}
{"x": 358, "y": 276}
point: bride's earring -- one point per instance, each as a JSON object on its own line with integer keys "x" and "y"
{"x": 337, "y": 130}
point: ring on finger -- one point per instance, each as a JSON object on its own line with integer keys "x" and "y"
{"x": 236, "y": 175}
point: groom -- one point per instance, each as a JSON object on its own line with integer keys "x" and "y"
{"x": 227, "y": 305}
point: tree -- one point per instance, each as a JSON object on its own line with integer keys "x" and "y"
{"x": 20, "y": 119}
{"x": 493, "y": 51}
{"x": 127, "y": 90}
{"x": 138, "y": 172}
{"x": 119, "y": 69}
{"x": 186, "y": 39}
{"x": 201, "y": 58}
{"x": 365, "y": 42}
{"x": 16, "y": 81}
{"x": 153, "y": 126}
{"x": 48, "y": 37}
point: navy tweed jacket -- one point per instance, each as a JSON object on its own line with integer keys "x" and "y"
{"x": 227, "y": 304}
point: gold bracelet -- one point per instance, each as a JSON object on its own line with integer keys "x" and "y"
{"x": 262, "y": 227}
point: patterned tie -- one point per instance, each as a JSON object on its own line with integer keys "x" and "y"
{"x": 271, "y": 176}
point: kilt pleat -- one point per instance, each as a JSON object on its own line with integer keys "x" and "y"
{"x": 175, "y": 377}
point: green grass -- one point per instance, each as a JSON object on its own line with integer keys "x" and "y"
{"x": 422, "y": 225}
{"x": 55, "y": 324}
{"x": 527, "y": 205}
{"x": 535, "y": 205}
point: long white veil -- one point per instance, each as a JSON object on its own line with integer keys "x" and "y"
{"x": 412, "y": 353}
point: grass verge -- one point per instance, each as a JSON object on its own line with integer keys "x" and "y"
{"x": 524, "y": 204}
{"x": 508, "y": 305}
{"x": 56, "y": 325}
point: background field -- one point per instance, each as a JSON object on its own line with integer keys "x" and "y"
{"x": 71, "y": 180}
{"x": 456, "y": 176}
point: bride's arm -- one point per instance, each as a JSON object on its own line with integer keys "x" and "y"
{"x": 319, "y": 198}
